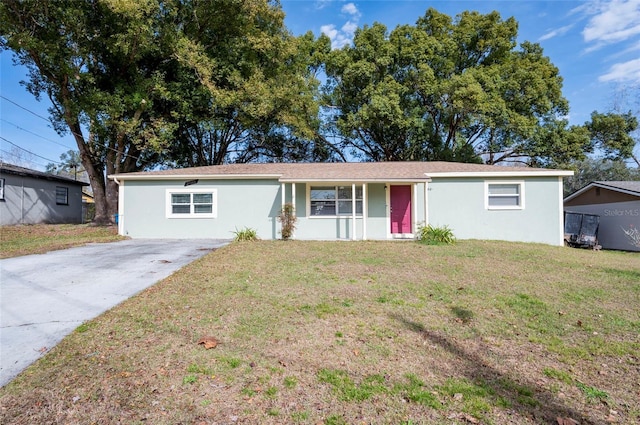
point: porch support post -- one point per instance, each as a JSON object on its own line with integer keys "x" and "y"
{"x": 282, "y": 195}
{"x": 293, "y": 196}
{"x": 353, "y": 211}
{"x": 414, "y": 203}
{"x": 282, "y": 200}
{"x": 426, "y": 203}
{"x": 293, "y": 205}
{"x": 364, "y": 211}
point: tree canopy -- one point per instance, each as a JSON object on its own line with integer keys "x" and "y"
{"x": 598, "y": 169}
{"x": 144, "y": 82}
{"x": 444, "y": 89}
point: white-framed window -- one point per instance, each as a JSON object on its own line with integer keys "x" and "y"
{"x": 504, "y": 195}
{"x": 62, "y": 195}
{"x": 1, "y": 188}
{"x": 191, "y": 203}
{"x": 334, "y": 200}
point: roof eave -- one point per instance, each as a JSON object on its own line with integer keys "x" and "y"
{"x": 554, "y": 173}
{"x": 355, "y": 180}
{"x": 601, "y": 185}
{"x": 44, "y": 176}
{"x": 123, "y": 177}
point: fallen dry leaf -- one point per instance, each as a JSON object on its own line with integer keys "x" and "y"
{"x": 209, "y": 342}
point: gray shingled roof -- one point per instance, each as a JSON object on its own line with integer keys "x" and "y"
{"x": 338, "y": 171}
{"x": 22, "y": 171}
{"x": 631, "y": 186}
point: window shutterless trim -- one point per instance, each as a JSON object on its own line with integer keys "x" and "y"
{"x": 488, "y": 195}
{"x": 192, "y": 203}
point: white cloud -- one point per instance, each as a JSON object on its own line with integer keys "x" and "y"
{"x": 633, "y": 47}
{"x": 343, "y": 36}
{"x": 321, "y": 4}
{"x": 350, "y": 27}
{"x": 329, "y": 30}
{"x": 351, "y": 9}
{"x": 338, "y": 38}
{"x": 623, "y": 72}
{"x": 556, "y": 32}
{"x": 612, "y": 21}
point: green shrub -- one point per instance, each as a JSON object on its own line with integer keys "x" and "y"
{"x": 245, "y": 234}
{"x": 432, "y": 235}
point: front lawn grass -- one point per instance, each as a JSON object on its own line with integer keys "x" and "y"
{"x": 40, "y": 238}
{"x": 357, "y": 332}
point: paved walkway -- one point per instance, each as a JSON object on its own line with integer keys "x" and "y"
{"x": 45, "y": 297}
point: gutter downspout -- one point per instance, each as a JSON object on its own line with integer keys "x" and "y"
{"x": 365, "y": 211}
{"x": 293, "y": 204}
{"x": 353, "y": 211}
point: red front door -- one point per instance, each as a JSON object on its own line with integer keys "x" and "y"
{"x": 400, "y": 200}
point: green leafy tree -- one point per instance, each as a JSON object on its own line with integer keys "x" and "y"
{"x": 598, "y": 169}
{"x": 100, "y": 64}
{"x": 446, "y": 89}
{"x": 612, "y": 133}
{"x": 139, "y": 83}
{"x": 261, "y": 103}
{"x": 70, "y": 165}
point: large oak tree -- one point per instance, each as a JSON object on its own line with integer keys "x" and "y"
{"x": 447, "y": 89}
{"x": 141, "y": 82}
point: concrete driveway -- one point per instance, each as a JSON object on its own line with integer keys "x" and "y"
{"x": 45, "y": 297}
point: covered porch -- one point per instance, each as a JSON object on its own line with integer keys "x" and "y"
{"x": 357, "y": 210}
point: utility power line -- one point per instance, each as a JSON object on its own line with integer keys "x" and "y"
{"x": 36, "y": 134}
{"x": 17, "y": 158}
{"x": 28, "y": 151}
{"x": 26, "y": 109}
{"x": 72, "y": 132}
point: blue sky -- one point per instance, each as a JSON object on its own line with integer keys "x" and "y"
{"x": 594, "y": 43}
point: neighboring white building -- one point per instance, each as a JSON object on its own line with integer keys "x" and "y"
{"x": 383, "y": 200}
{"x": 32, "y": 197}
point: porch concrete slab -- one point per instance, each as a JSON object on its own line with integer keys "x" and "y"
{"x": 45, "y": 297}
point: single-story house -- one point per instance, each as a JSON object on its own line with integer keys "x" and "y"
{"x": 32, "y": 197}
{"x": 618, "y": 205}
{"x": 354, "y": 201}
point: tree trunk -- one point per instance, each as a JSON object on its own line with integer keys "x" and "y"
{"x": 103, "y": 216}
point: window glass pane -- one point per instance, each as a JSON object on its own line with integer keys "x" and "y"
{"x": 62, "y": 194}
{"x": 181, "y": 209}
{"x": 504, "y": 189}
{"x": 202, "y": 208}
{"x": 344, "y": 207}
{"x": 202, "y": 198}
{"x": 344, "y": 192}
{"x": 358, "y": 192}
{"x": 504, "y": 201}
{"x": 180, "y": 198}
{"x": 323, "y": 193}
{"x": 323, "y": 208}
{"x": 359, "y": 207}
